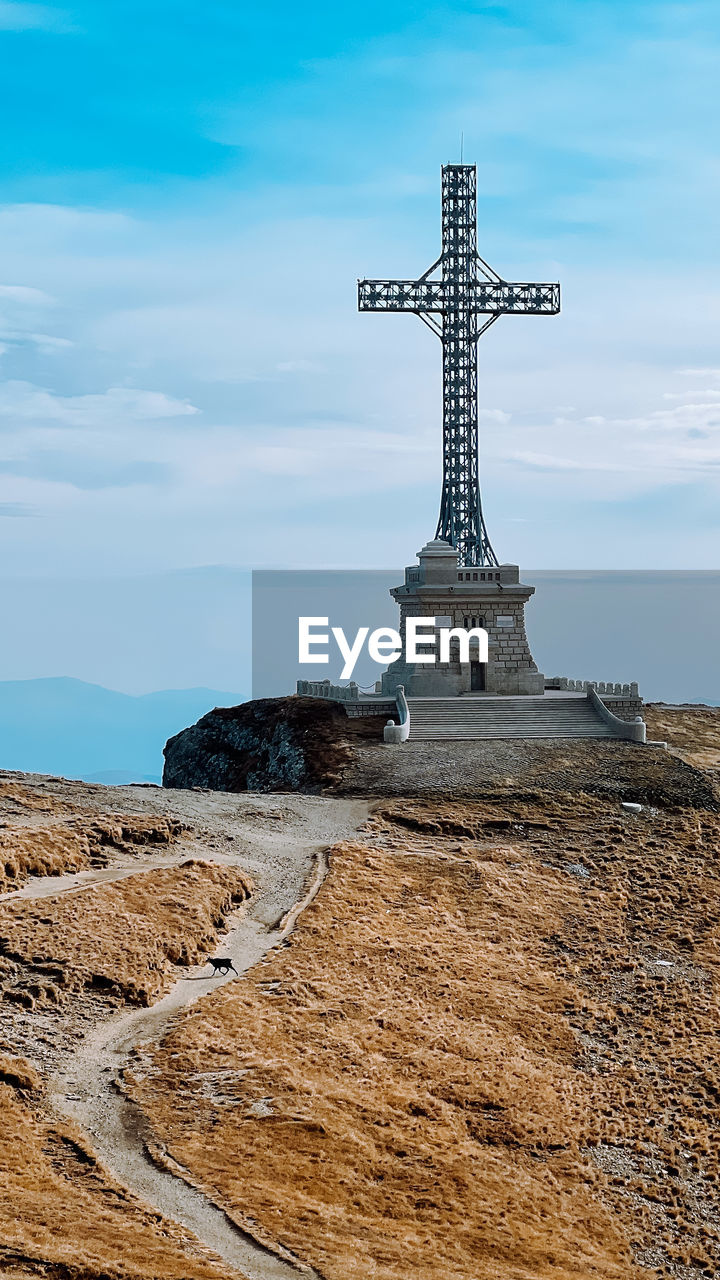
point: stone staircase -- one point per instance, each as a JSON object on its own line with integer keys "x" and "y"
{"x": 557, "y": 715}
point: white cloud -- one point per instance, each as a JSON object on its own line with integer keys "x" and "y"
{"x": 340, "y": 454}
{"x": 49, "y": 344}
{"x": 709, "y": 392}
{"x": 335, "y": 460}
{"x": 25, "y": 295}
{"x": 569, "y": 410}
{"x": 618, "y": 457}
{"x": 22, "y": 308}
{"x": 550, "y": 462}
{"x": 22, "y": 401}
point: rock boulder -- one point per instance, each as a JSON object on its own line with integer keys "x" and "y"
{"x": 272, "y": 744}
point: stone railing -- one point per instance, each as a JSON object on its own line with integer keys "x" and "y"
{"x": 633, "y": 730}
{"x": 564, "y": 685}
{"x": 324, "y": 689}
{"x": 356, "y": 703}
{"x": 396, "y": 733}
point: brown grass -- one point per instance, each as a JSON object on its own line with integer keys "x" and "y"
{"x": 693, "y": 732}
{"x": 121, "y": 939}
{"x": 19, "y": 1074}
{"x": 15, "y": 796}
{"x": 62, "y": 1216}
{"x": 468, "y": 1064}
{"x": 74, "y": 844}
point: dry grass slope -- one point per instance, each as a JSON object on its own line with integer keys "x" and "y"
{"x": 71, "y": 843}
{"x": 692, "y": 732}
{"x": 66, "y": 961}
{"x": 121, "y": 939}
{"x": 61, "y": 1216}
{"x": 488, "y": 1054}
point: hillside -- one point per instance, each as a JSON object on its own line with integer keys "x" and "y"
{"x": 488, "y": 1053}
{"x": 691, "y": 732}
{"x": 477, "y": 1043}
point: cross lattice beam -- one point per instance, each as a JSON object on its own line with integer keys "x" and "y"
{"x": 452, "y": 306}
{"x": 483, "y": 298}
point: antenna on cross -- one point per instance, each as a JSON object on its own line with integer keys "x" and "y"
{"x": 462, "y": 141}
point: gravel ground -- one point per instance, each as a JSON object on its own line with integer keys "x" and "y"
{"x": 621, "y": 770}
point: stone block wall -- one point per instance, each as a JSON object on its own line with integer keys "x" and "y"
{"x": 626, "y": 708}
{"x": 383, "y": 707}
{"x": 510, "y": 667}
{"x": 510, "y": 663}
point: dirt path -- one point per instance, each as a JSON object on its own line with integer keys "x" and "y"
{"x": 77, "y": 881}
{"x": 287, "y": 875}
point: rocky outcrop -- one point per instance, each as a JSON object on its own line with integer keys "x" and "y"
{"x": 272, "y": 744}
{"x": 310, "y": 745}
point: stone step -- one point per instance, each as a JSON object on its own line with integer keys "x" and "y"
{"x": 470, "y": 718}
{"x": 498, "y": 719}
{"x": 499, "y": 724}
{"x": 471, "y": 735}
{"x": 527, "y": 713}
{"x": 507, "y": 724}
{"x": 483, "y": 708}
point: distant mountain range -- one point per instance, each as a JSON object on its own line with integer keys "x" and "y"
{"x": 79, "y": 730}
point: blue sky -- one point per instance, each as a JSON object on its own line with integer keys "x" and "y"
{"x": 187, "y": 195}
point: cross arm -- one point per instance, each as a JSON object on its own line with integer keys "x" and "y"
{"x": 483, "y": 297}
{"x": 401, "y": 295}
{"x": 502, "y": 298}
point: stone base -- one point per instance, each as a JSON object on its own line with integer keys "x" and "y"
{"x": 521, "y": 680}
{"x": 491, "y": 597}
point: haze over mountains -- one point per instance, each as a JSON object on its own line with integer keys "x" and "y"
{"x": 80, "y": 730}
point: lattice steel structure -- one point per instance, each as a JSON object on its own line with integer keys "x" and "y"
{"x": 452, "y": 307}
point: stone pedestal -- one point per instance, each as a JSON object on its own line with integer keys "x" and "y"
{"x": 490, "y": 597}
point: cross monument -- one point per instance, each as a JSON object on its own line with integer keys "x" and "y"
{"x": 458, "y": 306}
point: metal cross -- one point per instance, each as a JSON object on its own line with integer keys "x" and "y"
{"x": 452, "y": 306}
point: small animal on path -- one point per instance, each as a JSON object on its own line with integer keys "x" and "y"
{"x": 222, "y": 966}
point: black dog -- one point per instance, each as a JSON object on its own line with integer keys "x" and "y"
{"x": 222, "y": 967}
